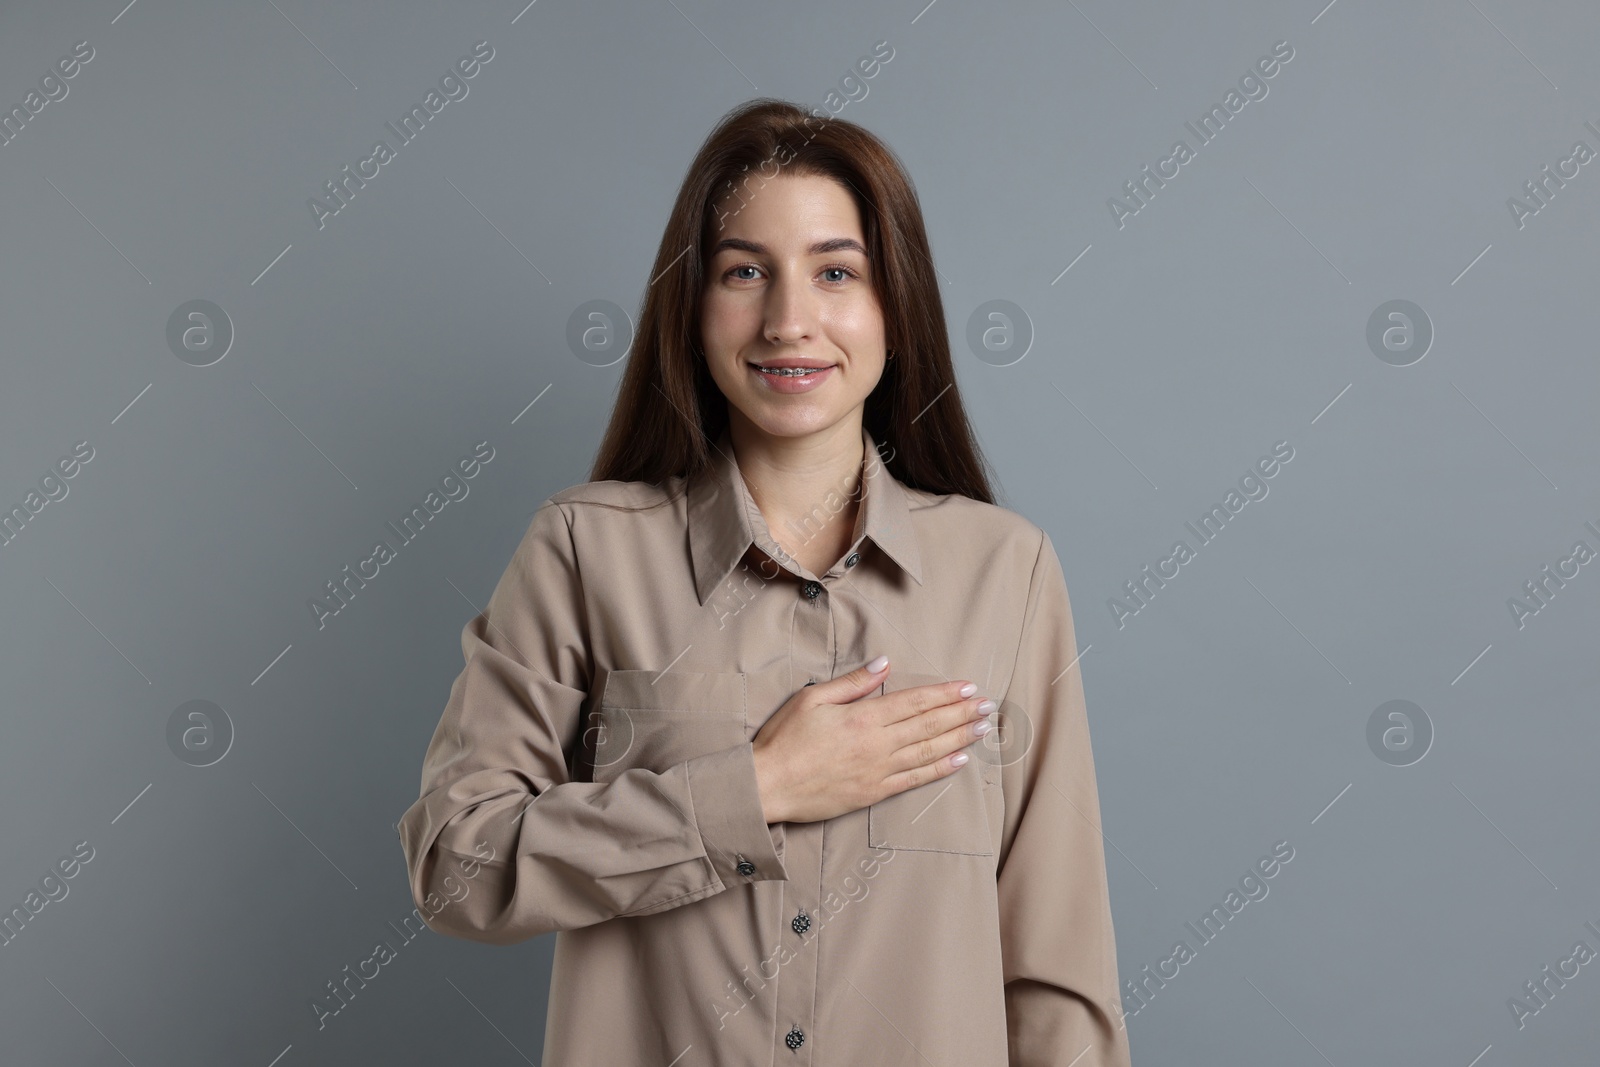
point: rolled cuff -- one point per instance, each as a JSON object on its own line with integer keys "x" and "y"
{"x": 727, "y": 810}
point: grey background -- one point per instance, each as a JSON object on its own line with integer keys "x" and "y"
{"x": 1229, "y": 314}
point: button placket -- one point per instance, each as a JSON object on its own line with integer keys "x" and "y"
{"x": 813, "y": 648}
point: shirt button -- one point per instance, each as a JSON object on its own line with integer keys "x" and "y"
{"x": 801, "y": 923}
{"x": 745, "y": 867}
{"x": 794, "y": 1038}
{"x": 813, "y": 590}
{"x": 852, "y": 559}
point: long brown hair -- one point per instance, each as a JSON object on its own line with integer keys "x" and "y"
{"x": 669, "y": 410}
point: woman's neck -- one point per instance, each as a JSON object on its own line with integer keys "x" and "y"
{"x": 808, "y": 488}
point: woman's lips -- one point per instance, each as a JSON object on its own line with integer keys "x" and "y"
{"x": 795, "y": 383}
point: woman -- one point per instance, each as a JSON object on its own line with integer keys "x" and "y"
{"x": 722, "y": 724}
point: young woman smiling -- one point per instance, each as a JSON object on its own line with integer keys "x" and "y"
{"x": 688, "y": 794}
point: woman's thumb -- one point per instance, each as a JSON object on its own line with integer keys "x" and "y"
{"x": 860, "y": 681}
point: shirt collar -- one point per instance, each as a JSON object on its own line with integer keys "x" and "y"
{"x": 724, "y": 520}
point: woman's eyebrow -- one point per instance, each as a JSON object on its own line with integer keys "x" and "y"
{"x": 820, "y": 248}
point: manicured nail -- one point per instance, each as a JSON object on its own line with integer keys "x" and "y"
{"x": 876, "y": 666}
{"x": 968, "y": 689}
{"x": 959, "y": 758}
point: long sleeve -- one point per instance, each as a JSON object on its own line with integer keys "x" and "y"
{"x": 1057, "y": 943}
{"x": 502, "y": 845}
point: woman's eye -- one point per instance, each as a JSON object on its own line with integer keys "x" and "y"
{"x": 834, "y": 275}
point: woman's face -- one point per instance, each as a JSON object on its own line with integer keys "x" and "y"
{"x": 787, "y": 285}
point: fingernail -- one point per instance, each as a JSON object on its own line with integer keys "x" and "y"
{"x": 968, "y": 689}
{"x": 877, "y": 665}
{"x": 959, "y": 758}
{"x": 986, "y": 707}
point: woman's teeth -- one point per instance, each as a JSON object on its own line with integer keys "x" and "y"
{"x": 790, "y": 372}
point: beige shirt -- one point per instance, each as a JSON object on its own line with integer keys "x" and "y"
{"x": 597, "y": 745}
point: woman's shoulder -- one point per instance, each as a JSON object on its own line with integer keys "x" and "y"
{"x": 617, "y": 507}
{"x": 975, "y": 522}
{"x": 616, "y": 494}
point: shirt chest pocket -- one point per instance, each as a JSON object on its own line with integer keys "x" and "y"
{"x": 655, "y": 719}
{"x": 948, "y": 814}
